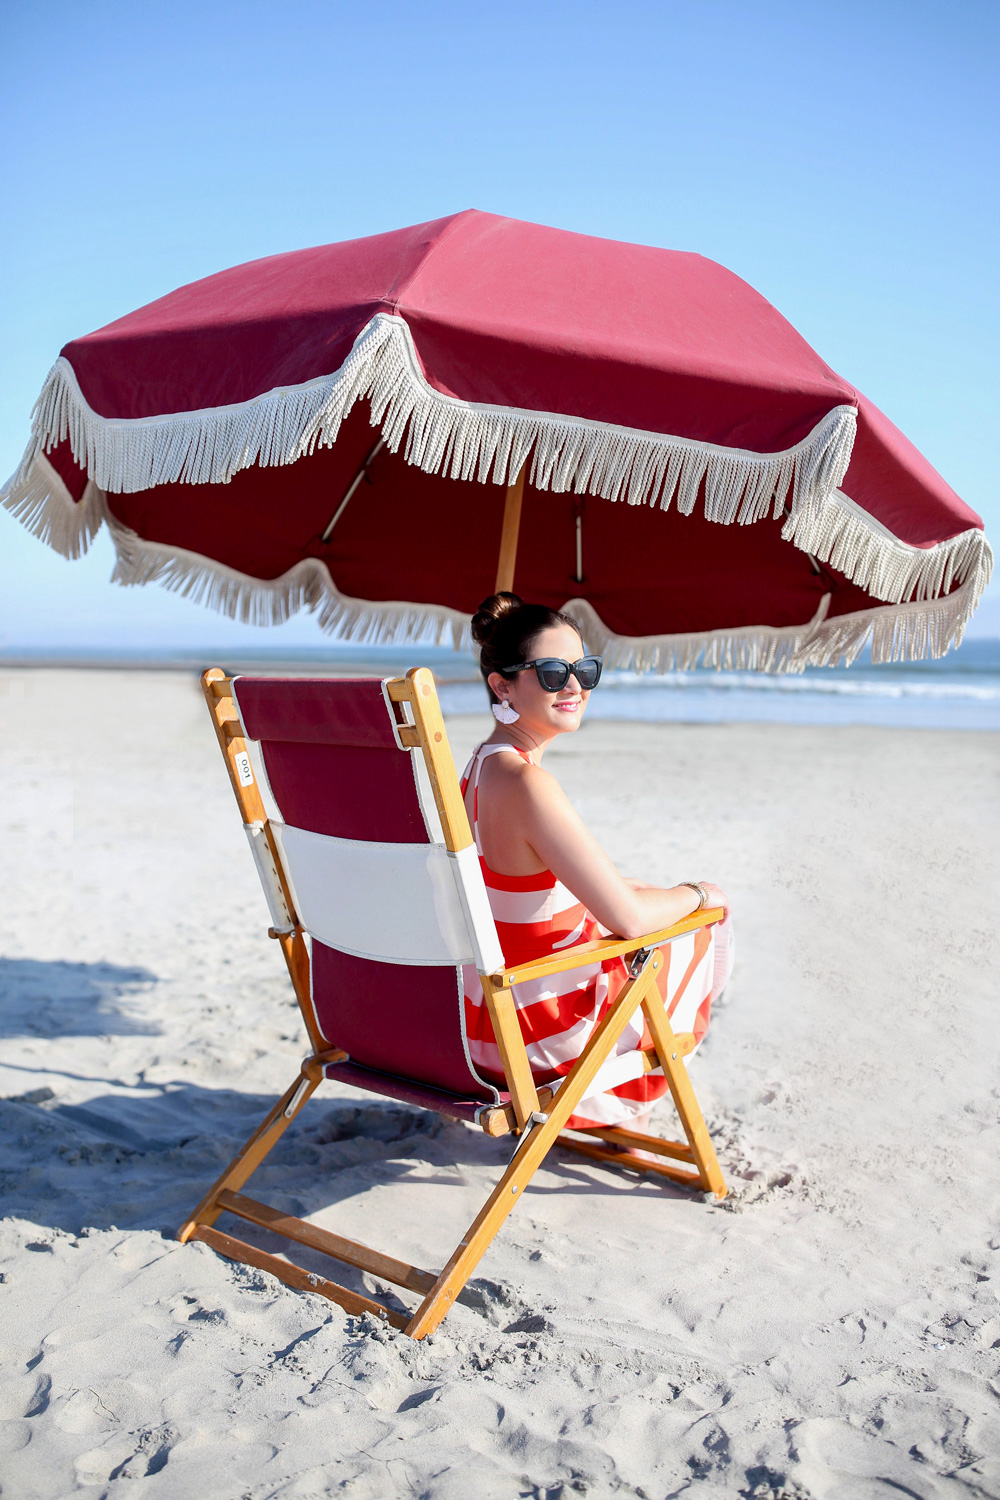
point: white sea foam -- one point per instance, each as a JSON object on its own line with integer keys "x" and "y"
{"x": 958, "y": 688}
{"x": 931, "y": 697}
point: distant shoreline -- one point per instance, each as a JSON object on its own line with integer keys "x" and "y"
{"x": 977, "y": 656}
{"x": 959, "y": 692}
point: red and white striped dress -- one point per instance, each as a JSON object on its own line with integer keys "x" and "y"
{"x": 536, "y": 915}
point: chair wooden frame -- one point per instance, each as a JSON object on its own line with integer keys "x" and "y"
{"x": 537, "y": 1115}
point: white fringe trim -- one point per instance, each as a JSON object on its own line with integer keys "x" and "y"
{"x": 443, "y": 435}
{"x": 43, "y": 504}
{"x": 838, "y": 531}
{"x": 901, "y": 632}
{"x": 308, "y": 585}
{"x": 465, "y": 440}
{"x": 751, "y": 648}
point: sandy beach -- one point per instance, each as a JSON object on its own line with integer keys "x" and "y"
{"x": 829, "y": 1332}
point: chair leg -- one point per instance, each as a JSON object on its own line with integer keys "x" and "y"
{"x": 535, "y": 1145}
{"x": 627, "y": 1161}
{"x": 222, "y": 1198}
{"x": 683, "y": 1095}
{"x": 249, "y": 1157}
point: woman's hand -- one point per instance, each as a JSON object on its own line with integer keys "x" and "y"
{"x": 716, "y": 896}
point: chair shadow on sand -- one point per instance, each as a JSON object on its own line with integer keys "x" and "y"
{"x": 117, "y": 1163}
{"x": 134, "y": 1157}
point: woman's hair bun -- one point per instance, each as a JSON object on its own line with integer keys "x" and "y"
{"x": 490, "y": 613}
{"x": 505, "y": 630}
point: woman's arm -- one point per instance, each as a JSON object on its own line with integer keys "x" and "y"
{"x": 543, "y": 814}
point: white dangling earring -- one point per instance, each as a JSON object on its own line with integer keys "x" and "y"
{"x": 505, "y": 713}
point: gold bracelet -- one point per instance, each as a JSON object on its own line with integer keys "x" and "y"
{"x": 696, "y": 885}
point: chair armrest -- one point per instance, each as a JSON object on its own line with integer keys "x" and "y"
{"x": 602, "y": 948}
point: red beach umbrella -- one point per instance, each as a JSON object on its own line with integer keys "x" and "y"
{"x": 383, "y": 430}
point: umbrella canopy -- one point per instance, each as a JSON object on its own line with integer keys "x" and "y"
{"x": 365, "y": 428}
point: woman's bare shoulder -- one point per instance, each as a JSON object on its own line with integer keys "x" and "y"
{"x": 520, "y": 779}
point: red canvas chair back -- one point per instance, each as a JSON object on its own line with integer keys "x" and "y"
{"x": 391, "y": 913}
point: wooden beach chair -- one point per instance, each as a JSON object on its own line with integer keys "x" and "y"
{"x": 355, "y": 818}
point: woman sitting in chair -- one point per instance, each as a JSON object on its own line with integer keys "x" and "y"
{"x": 550, "y": 883}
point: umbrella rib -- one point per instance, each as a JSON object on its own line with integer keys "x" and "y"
{"x": 361, "y": 474}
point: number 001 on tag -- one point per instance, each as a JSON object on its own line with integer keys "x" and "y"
{"x": 243, "y": 771}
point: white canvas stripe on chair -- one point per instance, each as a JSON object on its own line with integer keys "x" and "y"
{"x": 396, "y": 903}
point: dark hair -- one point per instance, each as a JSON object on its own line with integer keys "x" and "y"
{"x": 505, "y": 629}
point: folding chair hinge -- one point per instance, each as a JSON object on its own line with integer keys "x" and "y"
{"x": 640, "y": 959}
{"x": 536, "y": 1118}
{"x": 294, "y": 1103}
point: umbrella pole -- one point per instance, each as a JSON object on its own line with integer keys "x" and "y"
{"x": 508, "y": 537}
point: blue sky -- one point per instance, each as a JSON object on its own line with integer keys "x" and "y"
{"x": 842, "y": 158}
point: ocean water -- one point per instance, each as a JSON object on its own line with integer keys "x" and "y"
{"x": 961, "y": 691}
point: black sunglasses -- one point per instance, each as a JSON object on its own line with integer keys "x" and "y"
{"x": 553, "y": 674}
